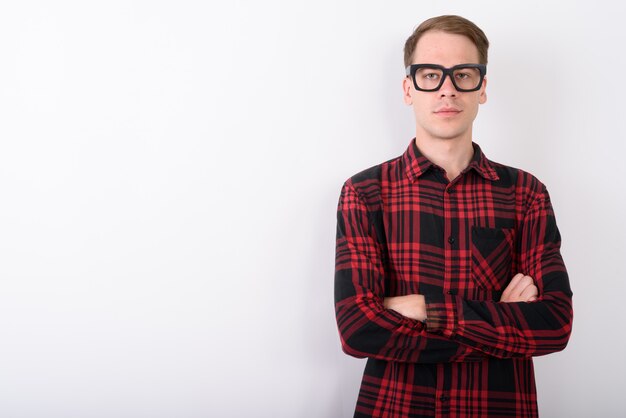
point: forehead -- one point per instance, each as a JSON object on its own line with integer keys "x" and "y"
{"x": 447, "y": 49}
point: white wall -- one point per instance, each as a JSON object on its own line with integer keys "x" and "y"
{"x": 169, "y": 173}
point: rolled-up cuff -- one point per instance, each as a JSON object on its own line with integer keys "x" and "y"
{"x": 441, "y": 314}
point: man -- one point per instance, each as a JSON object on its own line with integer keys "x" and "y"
{"x": 449, "y": 277}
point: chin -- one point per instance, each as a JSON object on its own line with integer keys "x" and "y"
{"x": 448, "y": 136}
{"x": 450, "y": 131}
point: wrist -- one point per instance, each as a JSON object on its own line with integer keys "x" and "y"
{"x": 410, "y": 306}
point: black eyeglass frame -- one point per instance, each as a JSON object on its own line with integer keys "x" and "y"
{"x": 412, "y": 69}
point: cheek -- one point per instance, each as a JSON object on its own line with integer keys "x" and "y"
{"x": 470, "y": 113}
{"x": 421, "y": 106}
{"x": 472, "y": 105}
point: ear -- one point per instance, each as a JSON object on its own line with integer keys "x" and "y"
{"x": 406, "y": 91}
{"x": 483, "y": 92}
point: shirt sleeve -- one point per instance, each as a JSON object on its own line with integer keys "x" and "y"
{"x": 506, "y": 330}
{"x": 366, "y": 328}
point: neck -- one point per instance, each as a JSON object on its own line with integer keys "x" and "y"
{"x": 450, "y": 154}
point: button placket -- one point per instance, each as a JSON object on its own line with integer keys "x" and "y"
{"x": 451, "y": 243}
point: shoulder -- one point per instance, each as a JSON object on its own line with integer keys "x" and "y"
{"x": 518, "y": 178}
{"x": 372, "y": 178}
{"x": 527, "y": 187}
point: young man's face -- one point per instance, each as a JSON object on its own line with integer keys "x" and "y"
{"x": 445, "y": 114}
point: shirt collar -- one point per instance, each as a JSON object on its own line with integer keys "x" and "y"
{"x": 415, "y": 164}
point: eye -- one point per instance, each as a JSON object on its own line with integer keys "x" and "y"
{"x": 463, "y": 76}
{"x": 431, "y": 76}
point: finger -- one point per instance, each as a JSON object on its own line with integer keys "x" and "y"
{"x": 528, "y": 293}
{"x": 518, "y": 287}
{"x": 517, "y": 278}
{"x": 511, "y": 285}
{"x": 524, "y": 283}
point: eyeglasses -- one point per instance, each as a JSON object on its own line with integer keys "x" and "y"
{"x": 430, "y": 77}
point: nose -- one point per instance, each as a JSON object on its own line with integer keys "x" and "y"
{"x": 447, "y": 88}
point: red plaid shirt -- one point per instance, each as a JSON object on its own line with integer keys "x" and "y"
{"x": 403, "y": 228}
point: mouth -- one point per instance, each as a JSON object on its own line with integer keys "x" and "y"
{"x": 447, "y": 111}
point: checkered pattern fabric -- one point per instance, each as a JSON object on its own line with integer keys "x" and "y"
{"x": 403, "y": 228}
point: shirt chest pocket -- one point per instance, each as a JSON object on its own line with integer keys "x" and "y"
{"x": 492, "y": 257}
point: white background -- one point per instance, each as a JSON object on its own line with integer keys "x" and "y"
{"x": 169, "y": 173}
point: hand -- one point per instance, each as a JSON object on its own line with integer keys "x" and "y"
{"x": 521, "y": 289}
{"x": 411, "y": 306}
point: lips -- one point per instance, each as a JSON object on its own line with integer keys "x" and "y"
{"x": 448, "y": 111}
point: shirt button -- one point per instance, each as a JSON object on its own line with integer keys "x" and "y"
{"x": 450, "y": 190}
{"x": 444, "y": 398}
{"x": 451, "y": 240}
{"x": 450, "y": 292}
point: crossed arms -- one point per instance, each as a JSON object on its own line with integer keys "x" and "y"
{"x": 533, "y": 317}
{"x": 521, "y": 289}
